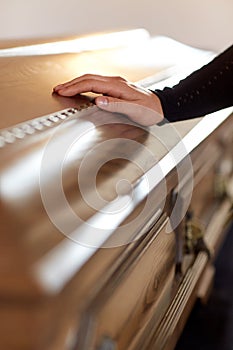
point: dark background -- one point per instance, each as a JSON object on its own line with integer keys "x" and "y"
{"x": 210, "y": 326}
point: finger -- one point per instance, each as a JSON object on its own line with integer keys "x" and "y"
{"x": 85, "y": 77}
{"x": 115, "y": 89}
{"x": 77, "y": 80}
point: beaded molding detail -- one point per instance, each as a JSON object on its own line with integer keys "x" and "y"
{"x": 19, "y": 131}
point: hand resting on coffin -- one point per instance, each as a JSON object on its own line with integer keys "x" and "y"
{"x": 118, "y": 95}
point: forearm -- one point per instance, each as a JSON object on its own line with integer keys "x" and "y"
{"x": 206, "y": 90}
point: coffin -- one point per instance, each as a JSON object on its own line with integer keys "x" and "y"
{"x": 109, "y": 230}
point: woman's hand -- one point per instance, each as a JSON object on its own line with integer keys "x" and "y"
{"x": 120, "y": 96}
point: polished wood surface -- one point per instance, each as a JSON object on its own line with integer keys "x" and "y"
{"x": 27, "y": 80}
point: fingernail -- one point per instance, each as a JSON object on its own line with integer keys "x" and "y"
{"x": 102, "y": 101}
{"x": 57, "y": 87}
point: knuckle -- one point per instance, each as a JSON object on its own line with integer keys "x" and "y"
{"x": 86, "y": 76}
{"x": 118, "y": 78}
{"x": 121, "y": 79}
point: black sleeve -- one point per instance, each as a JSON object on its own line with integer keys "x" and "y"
{"x": 204, "y": 91}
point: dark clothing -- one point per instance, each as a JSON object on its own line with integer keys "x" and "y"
{"x": 204, "y": 91}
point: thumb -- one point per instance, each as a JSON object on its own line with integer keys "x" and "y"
{"x": 136, "y": 112}
{"x": 116, "y": 105}
{"x": 110, "y": 104}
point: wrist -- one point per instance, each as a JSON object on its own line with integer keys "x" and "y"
{"x": 157, "y": 106}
